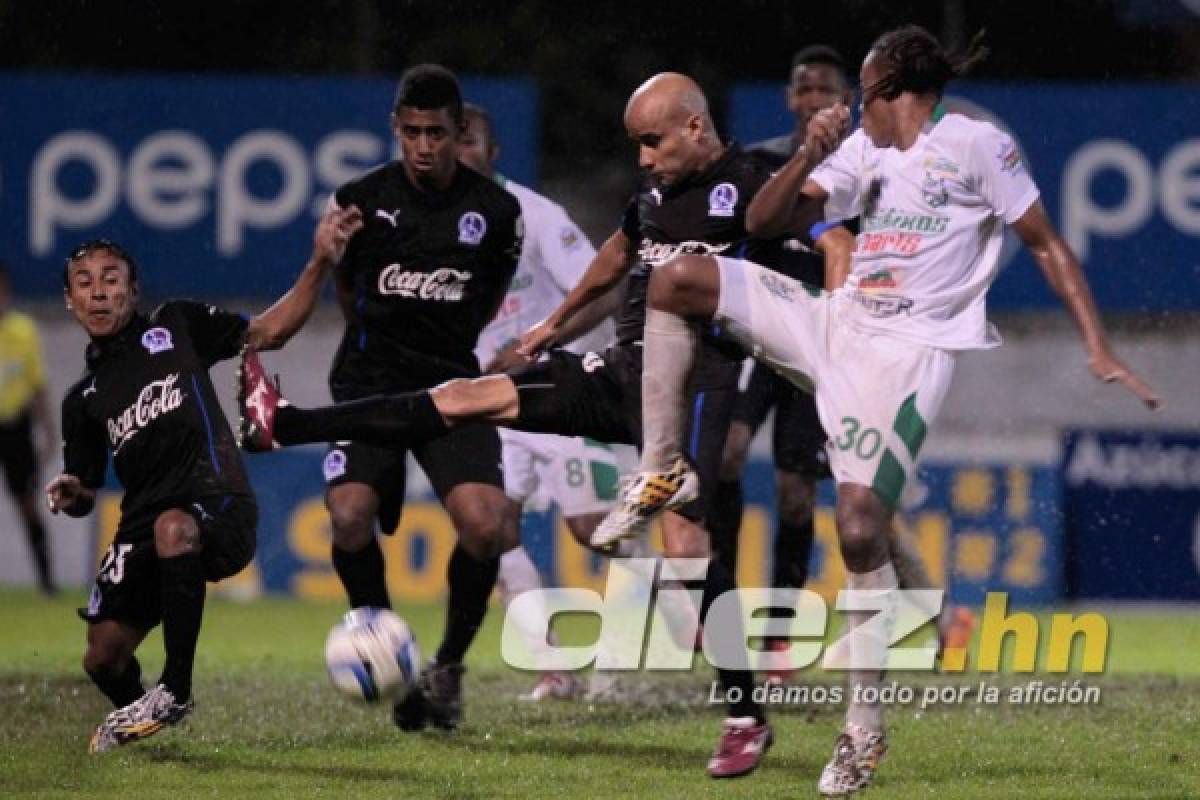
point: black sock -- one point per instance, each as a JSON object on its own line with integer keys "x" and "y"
{"x": 723, "y": 522}
{"x": 471, "y": 583}
{"x": 121, "y": 689}
{"x": 363, "y": 574}
{"x": 41, "y": 556}
{"x": 793, "y": 549}
{"x": 717, "y": 581}
{"x": 397, "y": 419}
{"x": 182, "y": 611}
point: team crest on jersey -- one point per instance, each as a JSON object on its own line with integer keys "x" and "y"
{"x": 1010, "y": 157}
{"x": 933, "y": 189}
{"x": 471, "y": 228}
{"x": 722, "y": 200}
{"x": 156, "y": 340}
{"x": 334, "y": 465}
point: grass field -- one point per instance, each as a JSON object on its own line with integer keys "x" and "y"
{"x": 269, "y": 725}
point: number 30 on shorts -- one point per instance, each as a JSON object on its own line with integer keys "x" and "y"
{"x": 865, "y": 442}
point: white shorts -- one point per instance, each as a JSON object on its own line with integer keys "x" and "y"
{"x": 876, "y": 393}
{"x": 577, "y": 474}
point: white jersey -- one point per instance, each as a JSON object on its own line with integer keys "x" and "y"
{"x": 932, "y": 224}
{"x": 554, "y": 257}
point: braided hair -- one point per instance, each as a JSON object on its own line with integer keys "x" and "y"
{"x": 916, "y": 63}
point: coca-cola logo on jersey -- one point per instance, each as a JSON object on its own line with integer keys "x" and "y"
{"x": 155, "y": 399}
{"x": 445, "y": 285}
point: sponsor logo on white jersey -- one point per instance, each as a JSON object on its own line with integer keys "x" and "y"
{"x": 155, "y": 399}
{"x": 445, "y": 285}
{"x": 722, "y": 200}
{"x": 156, "y": 340}
{"x": 471, "y": 228}
{"x": 656, "y": 253}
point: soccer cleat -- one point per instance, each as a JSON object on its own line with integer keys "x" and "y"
{"x": 258, "y": 399}
{"x": 143, "y": 717}
{"x": 856, "y": 756}
{"x": 435, "y": 699}
{"x": 554, "y": 685}
{"x": 645, "y": 497}
{"x": 743, "y": 743}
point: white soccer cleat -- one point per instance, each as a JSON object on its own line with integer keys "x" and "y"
{"x": 645, "y": 497}
{"x": 856, "y": 756}
{"x": 143, "y": 717}
{"x": 554, "y": 685}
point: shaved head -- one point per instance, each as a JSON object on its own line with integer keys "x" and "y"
{"x": 668, "y": 118}
{"x": 668, "y": 97}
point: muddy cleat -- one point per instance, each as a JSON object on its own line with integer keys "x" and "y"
{"x": 647, "y": 496}
{"x": 856, "y": 756}
{"x": 140, "y": 719}
{"x": 435, "y": 699}
{"x": 258, "y": 399}
{"x": 743, "y": 743}
{"x": 554, "y": 685}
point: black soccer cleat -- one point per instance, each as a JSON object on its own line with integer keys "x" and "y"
{"x": 435, "y": 699}
{"x": 258, "y": 400}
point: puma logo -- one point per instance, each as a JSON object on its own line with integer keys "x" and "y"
{"x": 392, "y": 217}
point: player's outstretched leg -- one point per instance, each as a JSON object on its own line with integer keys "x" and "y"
{"x": 143, "y": 717}
{"x": 268, "y": 421}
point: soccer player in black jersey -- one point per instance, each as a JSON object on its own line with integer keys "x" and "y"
{"x": 188, "y": 514}
{"x": 437, "y": 251}
{"x": 692, "y": 200}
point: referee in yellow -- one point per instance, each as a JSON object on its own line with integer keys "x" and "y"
{"x": 22, "y": 400}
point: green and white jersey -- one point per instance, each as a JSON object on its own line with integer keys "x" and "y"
{"x": 554, "y": 257}
{"x": 932, "y": 225}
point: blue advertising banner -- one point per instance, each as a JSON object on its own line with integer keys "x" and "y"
{"x": 1131, "y": 501}
{"x": 213, "y": 183}
{"x": 1118, "y": 166}
{"x": 978, "y": 527}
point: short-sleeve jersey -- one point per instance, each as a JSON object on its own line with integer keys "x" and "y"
{"x": 554, "y": 257}
{"x": 932, "y": 226}
{"x": 428, "y": 270}
{"x": 147, "y": 400}
{"x": 704, "y": 213}
{"x": 22, "y": 372}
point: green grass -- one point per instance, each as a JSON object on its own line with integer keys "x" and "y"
{"x": 269, "y": 725}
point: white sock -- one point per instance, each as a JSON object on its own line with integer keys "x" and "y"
{"x": 517, "y": 576}
{"x": 668, "y": 350}
{"x": 870, "y": 648}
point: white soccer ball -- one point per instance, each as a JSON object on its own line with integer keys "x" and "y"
{"x": 371, "y": 654}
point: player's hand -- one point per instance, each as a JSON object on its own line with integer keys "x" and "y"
{"x": 509, "y": 358}
{"x": 62, "y": 492}
{"x": 538, "y": 338}
{"x": 334, "y": 232}
{"x": 1110, "y": 369}
{"x": 825, "y": 132}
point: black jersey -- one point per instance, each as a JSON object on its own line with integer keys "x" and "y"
{"x": 428, "y": 271}
{"x": 147, "y": 399}
{"x": 704, "y": 213}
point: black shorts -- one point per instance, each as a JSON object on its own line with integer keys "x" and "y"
{"x": 127, "y": 587}
{"x": 599, "y": 395}
{"x": 18, "y": 455}
{"x": 470, "y": 454}
{"x": 798, "y": 440}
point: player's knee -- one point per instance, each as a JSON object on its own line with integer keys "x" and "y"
{"x": 485, "y": 536}
{"x": 353, "y": 524}
{"x": 683, "y": 285}
{"x": 862, "y": 533}
{"x": 175, "y": 533}
{"x": 452, "y": 398}
{"x": 105, "y": 658}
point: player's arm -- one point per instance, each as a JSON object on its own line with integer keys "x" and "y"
{"x": 274, "y": 327}
{"x": 788, "y": 202}
{"x": 613, "y": 261}
{"x": 836, "y": 244}
{"x": 67, "y": 494}
{"x": 1065, "y": 276}
{"x": 85, "y": 457}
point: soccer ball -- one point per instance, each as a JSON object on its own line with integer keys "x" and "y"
{"x": 371, "y": 654}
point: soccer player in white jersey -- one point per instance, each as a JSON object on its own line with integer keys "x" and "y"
{"x": 578, "y": 474}
{"x": 934, "y": 191}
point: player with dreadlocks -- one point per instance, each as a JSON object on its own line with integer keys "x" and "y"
{"x": 934, "y": 191}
